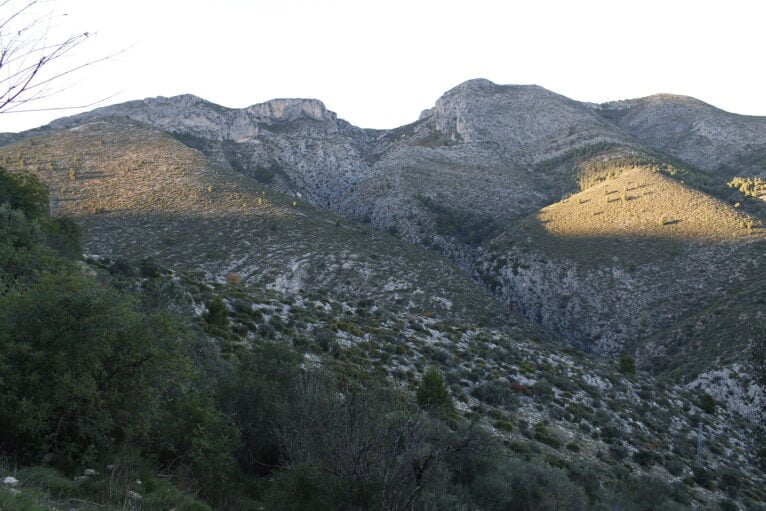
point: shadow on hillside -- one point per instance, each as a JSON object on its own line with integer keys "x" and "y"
{"x": 297, "y": 254}
{"x": 627, "y": 249}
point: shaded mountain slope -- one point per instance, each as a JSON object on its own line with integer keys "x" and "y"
{"x": 139, "y": 192}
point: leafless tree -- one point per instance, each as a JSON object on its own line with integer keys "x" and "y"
{"x": 33, "y": 61}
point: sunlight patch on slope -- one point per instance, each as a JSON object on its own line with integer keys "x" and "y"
{"x": 644, "y": 203}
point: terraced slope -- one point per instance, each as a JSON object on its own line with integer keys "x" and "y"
{"x": 624, "y": 259}
{"x": 138, "y": 192}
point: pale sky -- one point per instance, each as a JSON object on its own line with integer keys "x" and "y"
{"x": 379, "y": 64}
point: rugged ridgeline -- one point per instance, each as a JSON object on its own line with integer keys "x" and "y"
{"x": 484, "y": 152}
{"x": 469, "y": 179}
{"x": 695, "y": 132}
{"x": 138, "y": 192}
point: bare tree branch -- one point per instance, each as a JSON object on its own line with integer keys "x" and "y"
{"x": 33, "y": 63}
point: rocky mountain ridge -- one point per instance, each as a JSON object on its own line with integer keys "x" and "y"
{"x": 472, "y": 168}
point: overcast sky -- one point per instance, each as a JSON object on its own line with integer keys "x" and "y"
{"x": 378, "y": 64}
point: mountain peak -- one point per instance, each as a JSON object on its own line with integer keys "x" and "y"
{"x": 655, "y": 100}
{"x": 483, "y": 85}
{"x": 290, "y": 109}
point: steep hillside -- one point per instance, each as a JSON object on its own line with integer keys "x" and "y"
{"x": 695, "y": 132}
{"x": 483, "y": 154}
{"x": 471, "y": 169}
{"x": 138, "y": 192}
{"x": 624, "y": 259}
{"x": 293, "y": 145}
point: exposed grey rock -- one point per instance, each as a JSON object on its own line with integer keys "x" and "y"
{"x": 694, "y": 131}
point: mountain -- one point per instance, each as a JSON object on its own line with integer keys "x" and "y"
{"x": 531, "y": 193}
{"x": 624, "y": 259}
{"x": 139, "y": 192}
{"x": 531, "y": 249}
{"x": 484, "y": 154}
{"x": 695, "y": 132}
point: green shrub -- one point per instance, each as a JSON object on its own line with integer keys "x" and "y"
{"x": 626, "y": 365}
{"x": 82, "y": 368}
{"x": 545, "y": 436}
{"x": 495, "y": 393}
{"x": 707, "y": 404}
{"x": 217, "y": 314}
{"x": 432, "y": 392}
{"x": 645, "y": 458}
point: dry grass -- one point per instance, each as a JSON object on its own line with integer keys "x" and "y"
{"x": 104, "y": 167}
{"x": 643, "y": 203}
{"x": 639, "y": 217}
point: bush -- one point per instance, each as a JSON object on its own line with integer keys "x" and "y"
{"x": 217, "y": 314}
{"x": 707, "y": 404}
{"x": 23, "y": 192}
{"x": 645, "y": 458}
{"x": 253, "y": 394}
{"x": 82, "y": 368}
{"x": 626, "y": 365}
{"x": 536, "y": 485}
{"x": 432, "y": 393}
{"x": 495, "y": 393}
{"x": 545, "y": 436}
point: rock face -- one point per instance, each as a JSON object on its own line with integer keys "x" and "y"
{"x": 524, "y": 122}
{"x": 625, "y": 259}
{"x": 694, "y": 132}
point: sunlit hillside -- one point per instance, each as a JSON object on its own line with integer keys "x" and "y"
{"x": 641, "y": 203}
{"x": 624, "y": 259}
{"x": 138, "y": 192}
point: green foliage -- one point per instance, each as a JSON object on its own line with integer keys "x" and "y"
{"x": 432, "y": 392}
{"x": 707, "y": 403}
{"x": 23, "y": 192}
{"x": 544, "y": 435}
{"x": 253, "y": 394}
{"x": 217, "y": 314}
{"x": 495, "y": 393}
{"x": 193, "y": 432}
{"x": 64, "y": 236}
{"x": 303, "y": 487}
{"x": 528, "y": 485}
{"x": 626, "y": 365}
{"x": 82, "y": 369}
